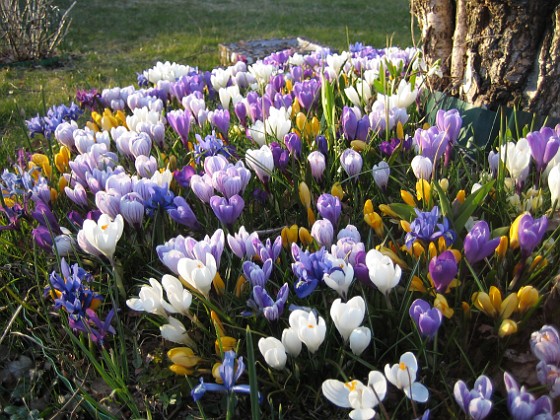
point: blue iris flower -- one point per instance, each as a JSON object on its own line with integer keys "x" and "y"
{"x": 426, "y": 228}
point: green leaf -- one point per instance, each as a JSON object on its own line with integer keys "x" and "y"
{"x": 444, "y": 203}
{"x": 470, "y": 205}
{"x": 251, "y": 367}
{"x": 404, "y": 211}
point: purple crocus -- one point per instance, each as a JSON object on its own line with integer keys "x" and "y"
{"x": 227, "y": 210}
{"x": 329, "y": 208}
{"x": 426, "y": 228}
{"x": 477, "y": 244}
{"x": 230, "y": 371}
{"x": 349, "y": 123}
{"x": 522, "y": 405}
{"x": 220, "y": 119}
{"x": 183, "y": 176}
{"x": 449, "y": 122}
{"x": 323, "y": 232}
{"x": 280, "y": 156}
{"x": 431, "y": 143}
{"x": 293, "y": 144}
{"x": 545, "y": 344}
{"x": 426, "y": 318}
{"x": 180, "y": 121}
{"x": 268, "y": 249}
{"x": 257, "y": 275}
{"x": 131, "y": 207}
{"x": 474, "y": 402}
{"x": 317, "y": 163}
{"x": 543, "y": 144}
{"x": 307, "y": 92}
{"x": 183, "y": 214}
{"x": 42, "y": 238}
{"x": 241, "y": 243}
{"x": 531, "y": 232}
{"x": 443, "y": 269}
{"x": 309, "y": 268}
{"x": 270, "y": 308}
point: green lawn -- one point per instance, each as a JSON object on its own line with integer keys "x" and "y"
{"x": 109, "y": 42}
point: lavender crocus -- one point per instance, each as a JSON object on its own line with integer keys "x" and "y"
{"x": 426, "y": 318}
{"x": 545, "y": 344}
{"x": 322, "y": 231}
{"x": 351, "y": 162}
{"x": 477, "y": 244}
{"x": 280, "y": 156}
{"x": 183, "y": 214}
{"x": 543, "y": 144}
{"x": 180, "y": 121}
{"x": 307, "y": 92}
{"x": 349, "y": 123}
{"x": 431, "y": 143}
{"x": 443, "y": 269}
{"x": 522, "y": 405}
{"x": 131, "y": 207}
{"x": 531, "y": 232}
{"x": 449, "y": 122}
{"x": 268, "y": 249}
{"x": 309, "y": 268}
{"x": 474, "y": 402}
{"x": 227, "y": 210}
{"x": 293, "y": 144}
{"x": 220, "y": 119}
{"x": 257, "y": 275}
{"x": 270, "y": 308}
{"x": 241, "y": 243}
{"x": 329, "y": 208}
{"x": 317, "y": 163}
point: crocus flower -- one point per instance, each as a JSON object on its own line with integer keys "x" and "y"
{"x": 311, "y": 328}
{"x": 262, "y": 302}
{"x": 322, "y": 231}
{"x": 230, "y": 371}
{"x": 403, "y": 376}
{"x": 381, "y": 172}
{"x": 543, "y": 144}
{"x": 443, "y": 269}
{"x": 198, "y": 274}
{"x": 422, "y": 167}
{"x": 349, "y": 123}
{"x": 431, "y": 143}
{"x": 545, "y": 345}
{"x": 227, "y": 210}
{"x": 527, "y": 233}
{"x": 351, "y": 161}
{"x": 382, "y": 272}
{"x": 477, "y": 244}
{"x": 150, "y": 299}
{"x": 329, "y": 207}
{"x": 176, "y": 332}
{"x": 317, "y": 163}
{"x": 359, "y": 340}
{"x": 554, "y": 184}
{"x": 450, "y": 123}
{"x": 309, "y": 269}
{"x": 340, "y": 276}
{"x": 261, "y": 161}
{"x": 426, "y": 318}
{"x": 104, "y": 235}
{"x": 476, "y": 402}
{"x": 517, "y": 158}
{"x": 424, "y": 228}
{"x": 522, "y": 405}
{"x": 348, "y": 316}
{"x": 274, "y": 352}
{"x": 293, "y": 144}
{"x": 255, "y": 274}
{"x": 241, "y": 243}
{"x": 354, "y": 394}
{"x": 549, "y": 375}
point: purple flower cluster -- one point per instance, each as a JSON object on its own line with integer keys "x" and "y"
{"x": 545, "y": 345}
{"x": 47, "y": 125}
{"x": 71, "y": 292}
{"x": 427, "y": 228}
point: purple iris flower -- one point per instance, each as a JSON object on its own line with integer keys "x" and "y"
{"x": 426, "y": 318}
{"x": 160, "y": 198}
{"x": 477, "y": 244}
{"x": 227, "y": 210}
{"x": 425, "y": 225}
{"x": 211, "y": 146}
{"x": 531, "y": 232}
{"x": 522, "y": 405}
{"x": 262, "y": 302}
{"x": 543, "y": 144}
{"x": 474, "y": 402}
{"x": 94, "y": 326}
{"x": 183, "y": 213}
{"x": 329, "y": 208}
{"x": 309, "y": 268}
{"x": 230, "y": 371}
{"x": 257, "y": 275}
{"x": 443, "y": 269}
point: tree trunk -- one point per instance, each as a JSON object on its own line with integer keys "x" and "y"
{"x": 495, "y": 52}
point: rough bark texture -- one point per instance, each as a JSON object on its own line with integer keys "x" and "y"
{"x": 503, "y": 52}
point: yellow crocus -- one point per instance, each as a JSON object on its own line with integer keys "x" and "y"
{"x": 400, "y": 131}
{"x": 218, "y": 326}
{"x": 502, "y": 248}
{"x": 337, "y": 190}
{"x": 514, "y": 231}
{"x": 304, "y": 194}
{"x": 223, "y": 344}
{"x": 301, "y": 123}
{"x": 408, "y": 198}
{"x": 289, "y": 235}
{"x": 368, "y": 206}
{"x": 423, "y": 190}
{"x": 444, "y": 184}
{"x": 507, "y": 327}
{"x": 374, "y": 220}
{"x": 42, "y": 161}
{"x": 405, "y": 225}
{"x": 305, "y": 237}
{"x": 508, "y": 306}
{"x": 310, "y": 216}
{"x": 61, "y": 159}
{"x": 240, "y": 286}
{"x": 315, "y": 126}
{"x": 461, "y": 196}
{"x": 358, "y": 145}
{"x": 432, "y": 250}
{"x": 417, "y": 285}
{"x": 219, "y": 284}
{"x": 527, "y": 297}
{"x": 440, "y": 302}
{"x": 386, "y": 210}
{"x": 482, "y": 302}
{"x": 184, "y": 360}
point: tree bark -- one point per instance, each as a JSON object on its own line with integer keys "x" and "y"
{"x": 499, "y": 52}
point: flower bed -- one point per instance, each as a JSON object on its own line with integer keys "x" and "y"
{"x": 302, "y": 241}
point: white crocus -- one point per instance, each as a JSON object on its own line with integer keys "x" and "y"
{"x": 179, "y": 298}
{"x": 291, "y": 342}
{"x": 359, "y": 340}
{"x": 198, "y": 274}
{"x": 176, "y": 332}
{"x": 340, "y": 277}
{"x": 354, "y": 394}
{"x": 517, "y": 158}
{"x": 554, "y": 184}
{"x": 261, "y": 161}
{"x": 311, "y": 329}
{"x": 256, "y": 131}
{"x": 403, "y": 376}
{"x": 381, "y": 173}
{"x": 348, "y": 316}
{"x": 352, "y": 94}
{"x": 229, "y": 94}
{"x": 219, "y": 78}
{"x": 382, "y": 272}
{"x": 104, "y": 234}
{"x": 273, "y": 352}
{"x": 150, "y": 299}
{"x": 405, "y": 95}
{"x": 422, "y": 167}
{"x": 262, "y": 72}
{"x": 278, "y": 123}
